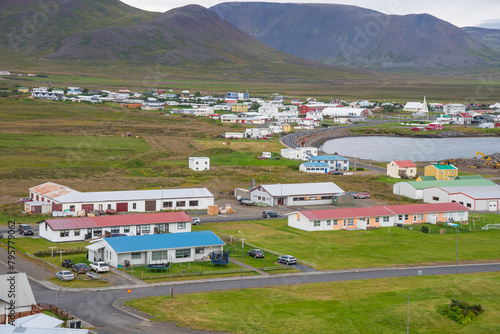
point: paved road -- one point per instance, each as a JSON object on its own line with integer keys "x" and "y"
{"x": 96, "y": 307}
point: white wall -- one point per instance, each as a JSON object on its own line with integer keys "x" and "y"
{"x": 405, "y": 189}
{"x": 199, "y": 163}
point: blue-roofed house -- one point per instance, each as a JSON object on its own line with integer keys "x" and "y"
{"x": 314, "y": 167}
{"x": 155, "y": 248}
{"x": 335, "y": 162}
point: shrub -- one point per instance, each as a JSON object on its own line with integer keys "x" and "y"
{"x": 460, "y": 311}
{"x": 425, "y": 229}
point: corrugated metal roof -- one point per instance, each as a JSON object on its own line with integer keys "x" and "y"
{"x": 328, "y": 157}
{"x": 477, "y": 192}
{"x": 426, "y": 208}
{"x": 52, "y": 190}
{"x": 134, "y": 195}
{"x": 440, "y": 167}
{"x": 419, "y": 185}
{"x": 140, "y": 243}
{"x": 405, "y": 163}
{"x": 302, "y": 189}
{"x": 118, "y": 220}
{"x": 377, "y": 211}
{"x": 315, "y": 164}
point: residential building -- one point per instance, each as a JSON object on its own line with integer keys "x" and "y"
{"x": 239, "y": 107}
{"x": 50, "y": 197}
{"x": 22, "y": 298}
{"x": 402, "y": 169}
{"x": 254, "y": 133}
{"x": 476, "y": 198}
{"x": 156, "y": 248}
{"x": 415, "y": 189}
{"x": 234, "y": 135}
{"x": 299, "y": 153}
{"x": 376, "y": 216}
{"x": 453, "y": 108}
{"x": 334, "y": 162}
{"x": 23, "y": 90}
{"x": 82, "y": 228}
{"x": 441, "y": 172}
{"x": 314, "y": 167}
{"x": 347, "y": 112}
{"x": 199, "y": 163}
{"x": 74, "y": 91}
{"x": 462, "y": 118}
{"x": 239, "y": 96}
{"x": 295, "y": 194}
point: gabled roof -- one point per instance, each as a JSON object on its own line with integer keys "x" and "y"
{"x": 477, "y": 192}
{"x": 316, "y": 164}
{"x": 52, "y": 190}
{"x": 301, "y": 189}
{"x": 23, "y": 296}
{"x": 378, "y": 211}
{"x": 405, "y": 163}
{"x": 328, "y": 157}
{"x": 117, "y": 220}
{"x": 163, "y": 241}
{"x": 428, "y": 178}
{"x": 419, "y": 185}
{"x": 40, "y": 320}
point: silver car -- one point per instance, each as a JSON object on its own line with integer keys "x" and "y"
{"x": 65, "y": 275}
{"x": 99, "y": 267}
{"x": 287, "y": 259}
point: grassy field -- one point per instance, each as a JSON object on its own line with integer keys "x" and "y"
{"x": 383, "y": 247}
{"x": 365, "y": 306}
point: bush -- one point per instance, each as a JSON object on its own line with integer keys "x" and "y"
{"x": 460, "y": 311}
{"x": 425, "y": 229}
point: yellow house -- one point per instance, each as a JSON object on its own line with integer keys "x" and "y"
{"x": 23, "y": 89}
{"x": 239, "y": 107}
{"x": 441, "y": 172}
{"x": 287, "y": 128}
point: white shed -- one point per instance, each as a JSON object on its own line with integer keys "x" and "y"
{"x": 199, "y": 163}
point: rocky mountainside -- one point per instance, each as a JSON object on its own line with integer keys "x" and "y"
{"x": 489, "y": 37}
{"x": 358, "y": 37}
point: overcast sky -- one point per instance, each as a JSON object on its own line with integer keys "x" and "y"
{"x": 461, "y": 13}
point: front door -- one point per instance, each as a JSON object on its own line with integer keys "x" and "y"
{"x": 493, "y": 206}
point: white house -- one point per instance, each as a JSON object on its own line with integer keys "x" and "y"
{"x": 199, "y": 163}
{"x": 295, "y": 194}
{"x": 61, "y": 198}
{"x": 16, "y": 297}
{"x": 156, "y": 248}
{"x": 415, "y": 189}
{"x": 74, "y": 91}
{"x": 346, "y": 112}
{"x": 376, "y": 216}
{"x": 314, "y": 167}
{"x": 334, "y": 162}
{"x": 257, "y": 132}
{"x": 82, "y": 228}
{"x": 276, "y": 127}
{"x": 239, "y": 135}
{"x": 299, "y": 153}
{"x": 477, "y": 198}
{"x": 453, "y": 108}
{"x": 401, "y": 169}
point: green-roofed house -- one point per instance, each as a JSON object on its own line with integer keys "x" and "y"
{"x": 415, "y": 189}
{"x": 426, "y": 178}
{"x": 441, "y": 172}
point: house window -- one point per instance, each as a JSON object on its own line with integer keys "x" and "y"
{"x": 138, "y": 230}
{"x": 159, "y": 228}
{"x": 71, "y": 208}
{"x": 328, "y": 223}
{"x": 181, "y": 226}
{"x": 435, "y": 198}
{"x": 400, "y": 217}
{"x": 146, "y": 229}
{"x": 97, "y": 231}
{"x": 420, "y": 216}
{"x": 77, "y": 233}
{"x": 159, "y": 256}
{"x": 182, "y": 253}
{"x": 317, "y": 223}
{"x": 115, "y": 229}
{"x": 199, "y": 250}
{"x": 167, "y": 204}
{"x": 350, "y": 222}
{"x": 134, "y": 206}
{"x": 109, "y": 206}
{"x": 386, "y": 219}
{"x": 180, "y": 203}
{"x": 135, "y": 255}
{"x": 193, "y": 203}
{"x": 406, "y": 217}
{"x": 469, "y": 205}
{"x": 64, "y": 233}
{"x": 126, "y": 229}
{"x": 377, "y": 219}
{"x": 445, "y": 215}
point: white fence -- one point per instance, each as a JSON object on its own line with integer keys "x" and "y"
{"x": 491, "y": 227}
{"x": 305, "y": 263}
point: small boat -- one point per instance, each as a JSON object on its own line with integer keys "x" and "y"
{"x": 111, "y": 211}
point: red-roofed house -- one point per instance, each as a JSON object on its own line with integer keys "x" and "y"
{"x": 463, "y": 118}
{"x": 402, "y": 169}
{"x": 78, "y": 229}
{"x": 376, "y": 216}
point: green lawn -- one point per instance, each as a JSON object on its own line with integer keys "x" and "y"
{"x": 331, "y": 250}
{"x": 364, "y": 306}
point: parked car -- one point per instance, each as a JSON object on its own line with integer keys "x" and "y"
{"x": 25, "y": 229}
{"x": 196, "y": 221}
{"x": 24, "y": 200}
{"x": 334, "y": 172}
{"x": 67, "y": 263}
{"x": 65, "y": 275}
{"x": 99, "y": 267}
{"x": 270, "y": 214}
{"x": 287, "y": 259}
{"x": 362, "y": 195}
{"x": 80, "y": 268}
{"x": 256, "y": 253}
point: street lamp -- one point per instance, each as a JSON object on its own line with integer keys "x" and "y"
{"x": 161, "y": 203}
{"x": 455, "y": 226}
{"x": 242, "y": 253}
